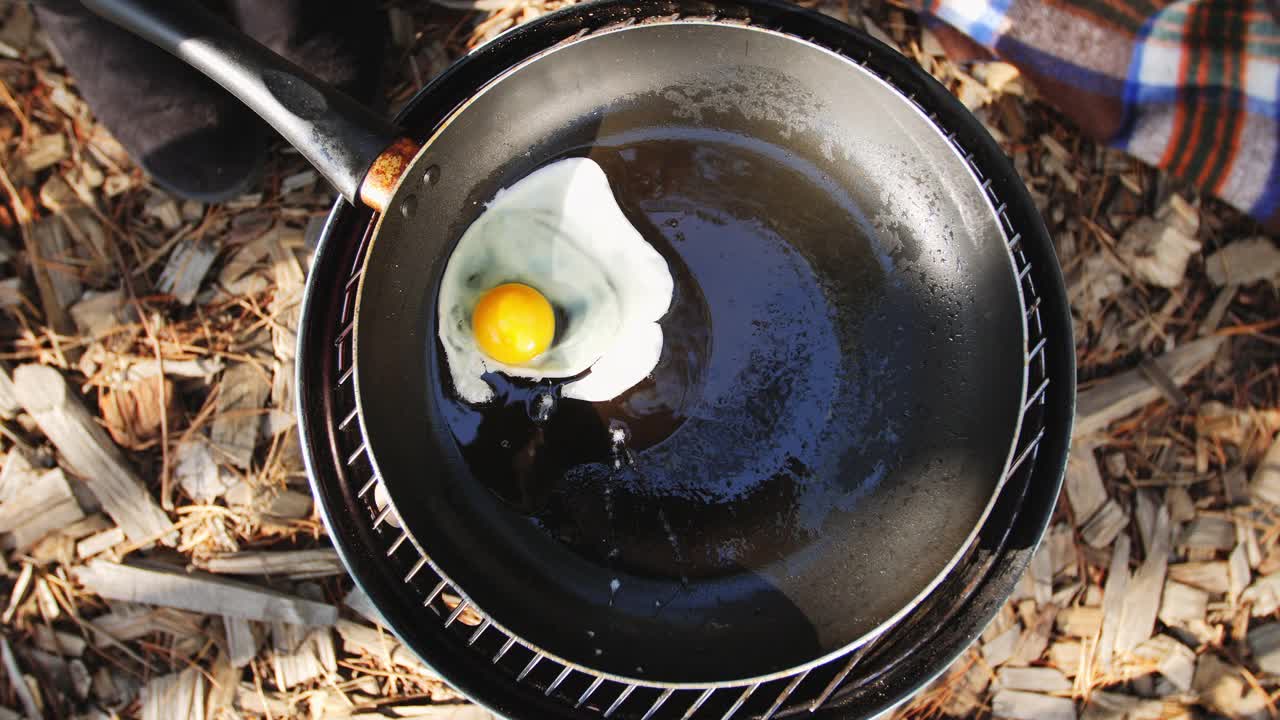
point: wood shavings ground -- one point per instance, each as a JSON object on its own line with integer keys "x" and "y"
{"x": 1174, "y": 304}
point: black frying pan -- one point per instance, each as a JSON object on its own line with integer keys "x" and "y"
{"x": 850, "y": 421}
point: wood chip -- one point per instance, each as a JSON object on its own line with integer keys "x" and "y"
{"x": 300, "y": 654}
{"x": 362, "y": 640}
{"x": 930, "y": 45}
{"x": 1239, "y": 575}
{"x": 180, "y": 695}
{"x": 135, "y": 369}
{"x": 1040, "y": 573}
{"x": 130, "y": 622}
{"x": 1122, "y": 394}
{"x": 1265, "y": 485}
{"x": 1066, "y": 656}
{"x": 359, "y": 602}
{"x": 40, "y": 508}
{"x": 44, "y": 151}
{"x": 98, "y": 313}
{"x": 163, "y": 208}
{"x": 99, "y": 543}
{"x": 1062, "y": 545}
{"x": 235, "y": 276}
{"x": 1032, "y": 679}
{"x": 1017, "y": 705}
{"x": 1263, "y": 594}
{"x": 1216, "y": 420}
{"x": 312, "y": 232}
{"x": 872, "y": 29}
{"x": 1105, "y": 525}
{"x": 192, "y": 210}
{"x": 1142, "y": 598}
{"x": 116, "y": 185}
{"x": 114, "y": 687}
{"x": 224, "y": 677}
{"x": 1096, "y": 280}
{"x": 90, "y": 525}
{"x": 298, "y": 181}
{"x": 81, "y": 681}
{"x": 1213, "y": 533}
{"x": 1146, "y": 504}
{"x": 1181, "y": 508}
{"x": 1222, "y": 689}
{"x": 234, "y": 435}
{"x": 135, "y": 413}
{"x": 1181, "y": 604}
{"x": 288, "y": 505}
{"x": 281, "y": 243}
{"x": 18, "y": 31}
{"x": 1115, "y": 706}
{"x": 209, "y": 594}
{"x": 1081, "y": 621}
{"x": 60, "y": 643}
{"x": 996, "y": 75}
{"x": 1113, "y": 602}
{"x": 9, "y": 404}
{"x": 188, "y": 264}
{"x": 1173, "y": 660}
{"x": 1218, "y": 310}
{"x": 16, "y": 475}
{"x": 290, "y": 563}
{"x": 1235, "y": 486}
{"x": 270, "y": 503}
{"x": 1085, "y": 489}
{"x": 18, "y": 593}
{"x": 90, "y": 454}
{"x": 1116, "y": 464}
{"x": 1035, "y": 639}
{"x": 971, "y": 93}
{"x": 1209, "y": 576}
{"x": 57, "y": 262}
{"x": 1245, "y": 535}
{"x": 242, "y": 641}
{"x": 49, "y": 674}
{"x": 1157, "y": 249}
{"x": 1000, "y": 649}
{"x": 964, "y": 686}
{"x": 254, "y": 700}
{"x": 1244, "y": 262}
{"x": 14, "y": 673}
{"x": 1264, "y": 643}
{"x": 93, "y": 249}
{"x": 197, "y": 473}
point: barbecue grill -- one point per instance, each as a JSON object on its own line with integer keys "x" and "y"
{"x": 513, "y": 675}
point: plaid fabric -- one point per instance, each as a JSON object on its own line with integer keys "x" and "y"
{"x": 1192, "y": 86}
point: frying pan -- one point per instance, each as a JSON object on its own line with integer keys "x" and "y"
{"x": 856, "y": 435}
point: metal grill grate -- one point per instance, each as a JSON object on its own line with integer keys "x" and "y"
{"x": 593, "y": 694}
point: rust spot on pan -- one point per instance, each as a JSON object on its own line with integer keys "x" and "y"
{"x": 385, "y": 172}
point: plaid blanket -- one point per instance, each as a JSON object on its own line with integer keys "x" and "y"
{"x": 1192, "y": 86}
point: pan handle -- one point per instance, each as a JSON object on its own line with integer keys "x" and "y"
{"x": 357, "y": 150}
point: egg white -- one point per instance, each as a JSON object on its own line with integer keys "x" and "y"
{"x": 560, "y": 231}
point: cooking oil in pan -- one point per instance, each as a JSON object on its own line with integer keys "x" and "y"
{"x": 710, "y": 465}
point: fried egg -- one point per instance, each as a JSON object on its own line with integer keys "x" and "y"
{"x": 551, "y": 281}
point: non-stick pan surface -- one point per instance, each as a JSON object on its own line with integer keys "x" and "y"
{"x": 851, "y": 426}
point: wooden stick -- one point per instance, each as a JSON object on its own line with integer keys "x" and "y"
{"x": 90, "y": 453}
{"x": 200, "y": 592}
{"x": 53, "y": 310}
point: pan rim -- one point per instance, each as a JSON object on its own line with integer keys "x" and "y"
{"x": 988, "y": 210}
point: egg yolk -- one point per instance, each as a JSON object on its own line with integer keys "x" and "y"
{"x": 513, "y": 323}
